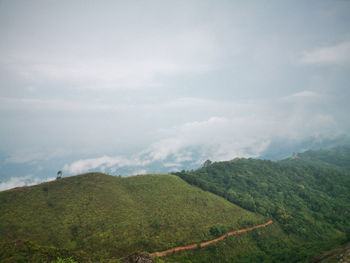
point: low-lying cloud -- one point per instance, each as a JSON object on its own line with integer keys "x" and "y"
{"x": 226, "y": 137}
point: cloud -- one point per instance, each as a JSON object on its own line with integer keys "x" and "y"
{"x": 139, "y": 172}
{"x": 305, "y": 94}
{"x": 248, "y": 135}
{"x": 245, "y": 129}
{"x": 101, "y": 73}
{"x": 329, "y": 55}
{"x": 218, "y": 138}
{"x": 129, "y": 65}
{"x": 140, "y": 86}
{"x": 65, "y": 105}
{"x": 28, "y": 104}
{"x": 22, "y": 181}
{"x": 208, "y": 138}
{"x": 103, "y": 163}
{"x": 304, "y": 97}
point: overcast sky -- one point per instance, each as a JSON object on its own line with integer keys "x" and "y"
{"x": 107, "y": 84}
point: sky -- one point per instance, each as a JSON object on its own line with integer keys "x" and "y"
{"x": 133, "y": 87}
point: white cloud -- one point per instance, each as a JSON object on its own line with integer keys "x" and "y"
{"x": 28, "y": 104}
{"x": 95, "y": 74}
{"x": 139, "y": 172}
{"x": 246, "y": 131}
{"x": 303, "y": 96}
{"x": 103, "y": 162}
{"x": 159, "y": 83}
{"x": 336, "y": 54}
{"x": 218, "y": 138}
{"x": 21, "y": 181}
{"x": 130, "y": 65}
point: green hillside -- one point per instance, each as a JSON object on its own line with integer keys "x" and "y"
{"x": 112, "y": 217}
{"x": 308, "y": 198}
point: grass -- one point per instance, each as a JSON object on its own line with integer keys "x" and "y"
{"x": 25, "y": 251}
{"x": 112, "y": 217}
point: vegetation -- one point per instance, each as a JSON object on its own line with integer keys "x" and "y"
{"x": 307, "y": 194}
{"x": 25, "y": 251}
{"x": 112, "y": 217}
{"x": 264, "y": 245}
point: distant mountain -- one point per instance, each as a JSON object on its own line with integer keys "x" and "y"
{"x": 338, "y": 157}
{"x": 280, "y": 149}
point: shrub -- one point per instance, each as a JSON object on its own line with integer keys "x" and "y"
{"x": 45, "y": 189}
{"x": 215, "y": 231}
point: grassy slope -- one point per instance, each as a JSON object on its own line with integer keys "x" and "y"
{"x": 113, "y": 217}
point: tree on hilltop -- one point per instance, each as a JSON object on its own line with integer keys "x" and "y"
{"x": 59, "y": 174}
{"x": 207, "y": 163}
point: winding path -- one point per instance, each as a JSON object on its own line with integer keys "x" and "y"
{"x": 206, "y": 243}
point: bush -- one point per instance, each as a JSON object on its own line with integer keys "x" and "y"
{"x": 45, "y": 189}
{"x": 215, "y": 231}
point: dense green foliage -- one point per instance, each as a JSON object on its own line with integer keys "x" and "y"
{"x": 308, "y": 197}
{"x": 112, "y": 217}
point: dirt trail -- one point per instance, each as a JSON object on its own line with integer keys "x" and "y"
{"x": 206, "y": 243}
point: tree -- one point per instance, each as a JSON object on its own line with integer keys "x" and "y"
{"x": 207, "y": 163}
{"x": 215, "y": 231}
{"x": 59, "y": 175}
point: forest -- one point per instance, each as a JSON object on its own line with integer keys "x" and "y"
{"x": 307, "y": 194}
